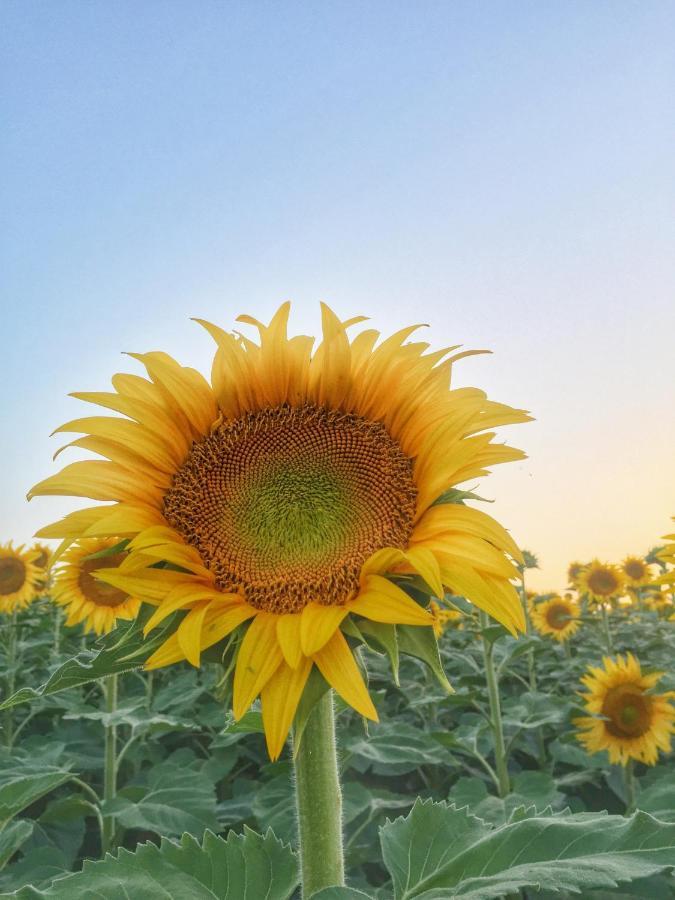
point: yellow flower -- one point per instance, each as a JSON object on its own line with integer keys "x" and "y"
{"x": 557, "y": 617}
{"x": 657, "y": 599}
{"x": 636, "y": 571}
{"x": 42, "y": 555}
{"x": 627, "y": 720}
{"x": 18, "y": 577}
{"x": 442, "y": 617}
{"x": 286, "y": 491}
{"x": 667, "y": 554}
{"x": 601, "y": 581}
{"x": 574, "y": 571}
{"x": 85, "y": 598}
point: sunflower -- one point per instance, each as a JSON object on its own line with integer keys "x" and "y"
{"x": 601, "y": 582}
{"x": 667, "y": 556}
{"x": 18, "y": 577}
{"x": 636, "y": 572}
{"x": 627, "y": 720}
{"x": 85, "y": 598}
{"x": 42, "y": 555}
{"x": 442, "y": 617}
{"x": 285, "y": 492}
{"x": 557, "y": 617}
{"x": 574, "y": 571}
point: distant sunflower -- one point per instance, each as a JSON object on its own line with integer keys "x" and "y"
{"x": 557, "y": 617}
{"x": 574, "y": 571}
{"x": 286, "y": 492}
{"x": 627, "y": 720}
{"x": 636, "y": 572}
{"x": 42, "y": 555}
{"x": 86, "y": 599}
{"x": 18, "y": 577}
{"x": 601, "y": 582}
{"x": 667, "y": 556}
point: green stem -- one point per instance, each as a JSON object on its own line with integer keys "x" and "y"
{"x": 495, "y": 711}
{"x": 109, "y": 763}
{"x": 629, "y": 781}
{"x": 528, "y": 627}
{"x": 57, "y": 631}
{"x": 319, "y": 801}
{"x": 608, "y": 634}
{"x": 12, "y": 638}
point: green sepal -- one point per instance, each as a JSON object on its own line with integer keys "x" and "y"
{"x": 420, "y": 642}
{"x": 314, "y": 690}
{"x": 384, "y": 636}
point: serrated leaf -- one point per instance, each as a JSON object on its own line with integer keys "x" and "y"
{"x": 242, "y": 867}
{"x": 439, "y": 852}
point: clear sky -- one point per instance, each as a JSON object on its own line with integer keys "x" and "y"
{"x": 503, "y": 171}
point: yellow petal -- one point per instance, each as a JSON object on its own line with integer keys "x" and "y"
{"x": 338, "y": 667}
{"x": 288, "y": 635}
{"x": 181, "y": 596}
{"x": 318, "y": 624}
{"x": 259, "y": 657}
{"x": 280, "y": 698}
{"x": 190, "y": 633}
{"x": 383, "y": 601}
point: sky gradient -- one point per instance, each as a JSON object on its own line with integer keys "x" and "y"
{"x": 503, "y": 172}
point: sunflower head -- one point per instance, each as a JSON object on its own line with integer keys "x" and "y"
{"x": 574, "y": 571}
{"x": 557, "y": 617}
{"x": 85, "y": 598}
{"x": 635, "y": 571}
{"x": 41, "y": 555}
{"x": 18, "y": 577}
{"x": 601, "y": 582}
{"x": 626, "y": 718}
{"x": 299, "y": 488}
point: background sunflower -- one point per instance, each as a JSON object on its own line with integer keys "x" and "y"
{"x": 601, "y": 582}
{"x": 18, "y": 577}
{"x": 557, "y": 617}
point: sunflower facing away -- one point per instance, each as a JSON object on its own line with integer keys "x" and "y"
{"x": 18, "y": 577}
{"x": 85, "y": 598}
{"x": 285, "y": 492}
{"x": 601, "y": 582}
{"x": 636, "y": 572}
{"x": 627, "y": 720}
{"x": 557, "y": 617}
{"x": 574, "y": 570}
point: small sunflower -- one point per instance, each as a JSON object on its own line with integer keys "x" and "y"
{"x": 289, "y": 493}
{"x": 18, "y": 577}
{"x": 574, "y": 571}
{"x": 42, "y": 555}
{"x": 442, "y": 617}
{"x": 557, "y": 617}
{"x": 601, "y": 582}
{"x": 627, "y": 720}
{"x": 636, "y": 572}
{"x": 86, "y": 599}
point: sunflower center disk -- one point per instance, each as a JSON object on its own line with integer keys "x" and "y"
{"x": 634, "y": 570}
{"x": 99, "y": 592}
{"x": 628, "y": 711}
{"x": 285, "y": 504}
{"x": 12, "y": 575}
{"x": 602, "y": 582}
{"x": 558, "y": 617}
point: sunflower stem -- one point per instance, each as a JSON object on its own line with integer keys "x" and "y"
{"x": 629, "y": 781}
{"x": 11, "y": 678}
{"x": 504, "y": 784}
{"x": 109, "y": 763}
{"x": 319, "y": 801}
{"x": 608, "y": 634}
{"x": 57, "y": 632}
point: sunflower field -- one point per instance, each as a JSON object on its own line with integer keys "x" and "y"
{"x": 288, "y": 653}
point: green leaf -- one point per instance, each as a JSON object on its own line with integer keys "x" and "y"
{"x": 23, "y": 781}
{"x": 315, "y": 688}
{"x": 440, "y": 852}
{"x": 420, "y": 642}
{"x": 12, "y": 837}
{"x": 455, "y": 495}
{"x": 243, "y": 867}
{"x": 123, "y": 650}
{"x": 175, "y": 799}
{"x": 341, "y": 893}
{"x": 659, "y": 798}
{"x": 384, "y": 636}
{"x": 393, "y": 748}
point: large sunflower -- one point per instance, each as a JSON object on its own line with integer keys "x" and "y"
{"x": 18, "y": 577}
{"x": 601, "y": 582}
{"x": 87, "y": 599}
{"x": 627, "y": 720}
{"x": 557, "y": 617}
{"x": 286, "y": 491}
{"x": 636, "y": 572}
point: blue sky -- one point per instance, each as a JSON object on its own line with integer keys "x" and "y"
{"x": 501, "y": 171}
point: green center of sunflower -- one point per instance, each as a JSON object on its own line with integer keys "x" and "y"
{"x": 602, "y": 582}
{"x": 286, "y": 504}
{"x": 627, "y": 710}
{"x": 100, "y": 593}
{"x": 12, "y": 575}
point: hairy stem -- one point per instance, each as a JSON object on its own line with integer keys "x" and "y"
{"x": 504, "y": 783}
{"x": 319, "y": 801}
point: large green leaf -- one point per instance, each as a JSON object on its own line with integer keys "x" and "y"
{"x": 123, "y": 650}
{"x": 23, "y": 781}
{"x": 12, "y": 837}
{"x": 243, "y": 867}
{"x": 438, "y": 852}
{"x": 174, "y": 799}
{"x": 393, "y": 748}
